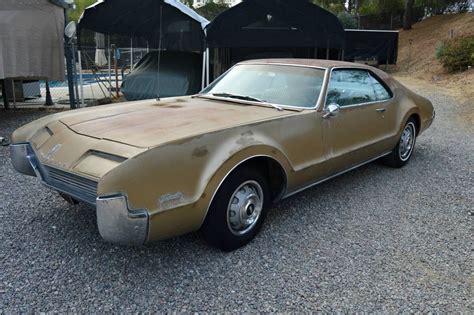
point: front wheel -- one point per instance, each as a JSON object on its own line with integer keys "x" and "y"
{"x": 402, "y": 153}
{"x": 237, "y": 212}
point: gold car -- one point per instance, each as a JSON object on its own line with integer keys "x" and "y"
{"x": 263, "y": 131}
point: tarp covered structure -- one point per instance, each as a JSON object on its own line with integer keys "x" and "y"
{"x": 272, "y": 29}
{"x": 31, "y": 39}
{"x": 179, "y": 73}
{"x": 276, "y": 23}
{"x": 378, "y": 45}
{"x": 181, "y": 27}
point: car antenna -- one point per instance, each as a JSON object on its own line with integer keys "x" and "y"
{"x": 159, "y": 51}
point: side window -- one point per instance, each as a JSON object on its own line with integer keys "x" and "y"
{"x": 350, "y": 87}
{"x": 380, "y": 91}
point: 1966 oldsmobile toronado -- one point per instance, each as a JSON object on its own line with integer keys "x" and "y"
{"x": 263, "y": 131}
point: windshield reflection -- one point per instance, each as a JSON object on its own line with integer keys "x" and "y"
{"x": 274, "y": 84}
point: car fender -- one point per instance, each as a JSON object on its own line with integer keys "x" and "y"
{"x": 184, "y": 175}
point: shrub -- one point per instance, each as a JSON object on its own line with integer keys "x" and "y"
{"x": 456, "y": 54}
{"x": 439, "y": 50}
{"x": 347, "y": 20}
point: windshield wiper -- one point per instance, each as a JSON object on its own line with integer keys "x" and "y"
{"x": 246, "y": 98}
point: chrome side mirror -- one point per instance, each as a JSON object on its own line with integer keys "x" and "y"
{"x": 331, "y": 110}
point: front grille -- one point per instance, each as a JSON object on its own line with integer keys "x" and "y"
{"x": 74, "y": 185}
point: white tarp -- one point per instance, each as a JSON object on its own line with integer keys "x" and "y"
{"x": 31, "y": 39}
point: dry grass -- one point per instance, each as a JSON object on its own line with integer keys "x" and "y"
{"x": 418, "y": 65}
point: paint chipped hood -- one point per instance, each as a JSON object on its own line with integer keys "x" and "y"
{"x": 151, "y": 123}
{"x": 93, "y": 141}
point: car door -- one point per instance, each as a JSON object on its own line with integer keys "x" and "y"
{"x": 352, "y": 136}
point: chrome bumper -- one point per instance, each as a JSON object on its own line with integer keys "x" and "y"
{"x": 116, "y": 221}
{"x": 20, "y": 155}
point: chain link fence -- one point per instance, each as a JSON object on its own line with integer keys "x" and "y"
{"x": 97, "y": 77}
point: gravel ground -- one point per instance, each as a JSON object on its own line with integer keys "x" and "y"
{"x": 375, "y": 239}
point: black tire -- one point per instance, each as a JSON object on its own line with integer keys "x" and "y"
{"x": 218, "y": 229}
{"x": 401, "y": 155}
{"x": 70, "y": 200}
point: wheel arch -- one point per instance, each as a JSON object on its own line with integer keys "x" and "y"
{"x": 417, "y": 119}
{"x": 275, "y": 170}
{"x": 410, "y": 114}
{"x": 272, "y": 170}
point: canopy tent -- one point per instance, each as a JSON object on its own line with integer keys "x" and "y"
{"x": 32, "y": 39}
{"x": 181, "y": 27}
{"x": 379, "y": 46}
{"x": 276, "y": 23}
{"x": 272, "y": 28}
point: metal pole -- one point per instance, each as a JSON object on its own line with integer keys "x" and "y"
{"x": 14, "y": 96}
{"x": 131, "y": 53}
{"x": 110, "y": 68}
{"x": 203, "y": 69}
{"x": 207, "y": 66}
{"x": 388, "y": 57}
{"x": 327, "y": 49}
{"x": 68, "y": 56}
{"x": 410, "y": 41}
{"x": 80, "y": 77}
{"x": 116, "y": 72}
{"x": 49, "y": 100}
{"x": 75, "y": 71}
{"x": 5, "y": 94}
{"x": 159, "y": 52}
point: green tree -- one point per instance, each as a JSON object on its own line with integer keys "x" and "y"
{"x": 347, "y": 19}
{"x": 335, "y": 6}
{"x": 368, "y": 7}
{"x": 339, "y": 8}
{"x": 189, "y": 3}
{"x": 443, "y": 6}
{"x": 212, "y": 9}
{"x": 81, "y": 5}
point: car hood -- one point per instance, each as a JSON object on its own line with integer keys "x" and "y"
{"x": 150, "y": 123}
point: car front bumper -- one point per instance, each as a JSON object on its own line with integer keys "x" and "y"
{"x": 117, "y": 223}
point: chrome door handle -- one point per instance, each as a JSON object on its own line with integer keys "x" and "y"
{"x": 380, "y": 110}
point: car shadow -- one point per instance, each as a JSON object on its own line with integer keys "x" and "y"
{"x": 315, "y": 208}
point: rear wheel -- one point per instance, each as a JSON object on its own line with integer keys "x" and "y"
{"x": 237, "y": 212}
{"x": 402, "y": 153}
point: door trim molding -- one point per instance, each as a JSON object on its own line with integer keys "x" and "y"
{"x": 319, "y": 181}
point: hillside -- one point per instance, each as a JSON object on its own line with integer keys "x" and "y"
{"x": 426, "y": 36}
{"x": 424, "y": 70}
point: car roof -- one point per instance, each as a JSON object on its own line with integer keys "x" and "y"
{"x": 321, "y": 63}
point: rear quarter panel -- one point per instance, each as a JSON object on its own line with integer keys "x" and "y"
{"x": 422, "y": 106}
{"x": 407, "y": 104}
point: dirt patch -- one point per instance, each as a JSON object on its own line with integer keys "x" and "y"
{"x": 465, "y": 105}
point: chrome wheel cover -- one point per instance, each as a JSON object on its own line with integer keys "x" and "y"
{"x": 245, "y": 207}
{"x": 407, "y": 142}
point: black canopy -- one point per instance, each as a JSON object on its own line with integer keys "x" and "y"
{"x": 381, "y": 46}
{"x": 182, "y": 27}
{"x": 276, "y": 23}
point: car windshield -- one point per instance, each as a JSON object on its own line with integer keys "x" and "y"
{"x": 274, "y": 84}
